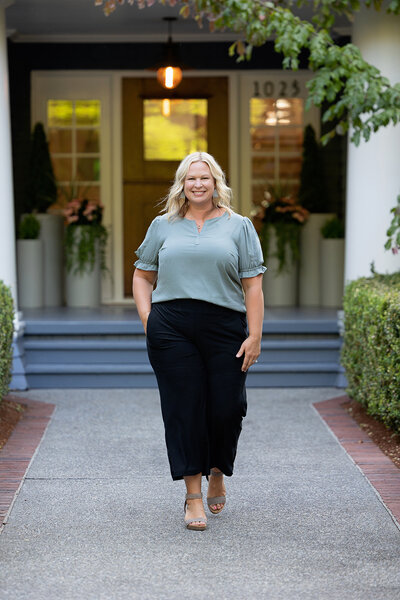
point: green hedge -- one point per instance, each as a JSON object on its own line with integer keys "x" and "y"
{"x": 371, "y": 349}
{"x": 6, "y": 337}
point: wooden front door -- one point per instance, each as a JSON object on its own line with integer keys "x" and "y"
{"x": 148, "y": 172}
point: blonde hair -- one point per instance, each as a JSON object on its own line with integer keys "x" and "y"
{"x": 177, "y": 206}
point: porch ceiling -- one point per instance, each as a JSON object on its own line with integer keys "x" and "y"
{"x": 80, "y": 21}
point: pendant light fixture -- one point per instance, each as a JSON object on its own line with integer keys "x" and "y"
{"x": 169, "y": 73}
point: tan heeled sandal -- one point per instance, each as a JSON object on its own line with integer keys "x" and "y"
{"x": 202, "y": 521}
{"x": 216, "y": 499}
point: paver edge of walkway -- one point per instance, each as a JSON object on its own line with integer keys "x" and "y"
{"x": 19, "y": 451}
{"x": 377, "y": 468}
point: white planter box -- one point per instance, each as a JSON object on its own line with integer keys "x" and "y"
{"x": 280, "y": 289}
{"x": 84, "y": 290}
{"x": 332, "y": 272}
{"x": 310, "y": 259}
{"x": 52, "y": 235}
{"x": 30, "y": 273}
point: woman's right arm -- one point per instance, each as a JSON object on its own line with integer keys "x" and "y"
{"x": 142, "y": 288}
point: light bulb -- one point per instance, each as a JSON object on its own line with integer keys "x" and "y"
{"x": 169, "y": 77}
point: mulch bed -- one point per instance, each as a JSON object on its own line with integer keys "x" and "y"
{"x": 387, "y": 440}
{"x": 10, "y": 414}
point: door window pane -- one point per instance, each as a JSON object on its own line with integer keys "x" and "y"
{"x": 263, "y": 167}
{"x": 87, "y": 140}
{"x": 59, "y": 113}
{"x": 88, "y": 169}
{"x": 74, "y": 143}
{"x": 62, "y": 168}
{"x": 60, "y": 141}
{"x": 87, "y": 113}
{"x": 174, "y": 128}
{"x": 276, "y": 132}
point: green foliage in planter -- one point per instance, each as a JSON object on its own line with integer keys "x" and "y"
{"x": 81, "y": 244}
{"x": 333, "y": 229}
{"x": 280, "y": 210}
{"x": 287, "y": 238}
{"x": 29, "y": 228}
{"x": 6, "y": 337}
{"x": 312, "y": 186}
{"x": 371, "y": 348}
{"x": 41, "y": 190}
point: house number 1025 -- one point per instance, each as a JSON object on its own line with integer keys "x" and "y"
{"x": 278, "y": 89}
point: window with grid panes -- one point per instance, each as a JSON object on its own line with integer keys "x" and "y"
{"x": 73, "y": 128}
{"x": 276, "y": 130}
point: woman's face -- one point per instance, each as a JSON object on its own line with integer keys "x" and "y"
{"x": 199, "y": 184}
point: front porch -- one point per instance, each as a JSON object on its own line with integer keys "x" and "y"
{"x": 106, "y": 347}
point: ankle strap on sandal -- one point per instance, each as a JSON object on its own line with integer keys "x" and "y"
{"x": 193, "y": 496}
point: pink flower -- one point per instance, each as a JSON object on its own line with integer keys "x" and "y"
{"x": 299, "y": 217}
{"x": 74, "y": 203}
{"x": 89, "y": 209}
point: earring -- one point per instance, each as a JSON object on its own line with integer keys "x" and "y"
{"x": 215, "y": 193}
{"x": 182, "y": 196}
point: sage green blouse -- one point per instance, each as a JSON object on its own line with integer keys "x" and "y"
{"x": 203, "y": 266}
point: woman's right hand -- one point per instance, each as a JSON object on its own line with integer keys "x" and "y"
{"x": 142, "y": 287}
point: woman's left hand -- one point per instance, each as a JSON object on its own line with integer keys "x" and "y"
{"x": 251, "y": 348}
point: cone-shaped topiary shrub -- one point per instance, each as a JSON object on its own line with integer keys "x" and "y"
{"x": 312, "y": 184}
{"x": 41, "y": 190}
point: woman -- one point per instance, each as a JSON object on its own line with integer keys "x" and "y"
{"x": 203, "y": 256}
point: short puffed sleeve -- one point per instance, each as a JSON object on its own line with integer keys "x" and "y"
{"x": 147, "y": 252}
{"x": 250, "y": 253}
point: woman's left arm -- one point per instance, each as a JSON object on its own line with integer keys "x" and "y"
{"x": 254, "y": 299}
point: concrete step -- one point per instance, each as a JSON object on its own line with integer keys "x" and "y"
{"x": 107, "y": 375}
{"x": 120, "y": 351}
{"x": 125, "y": 327}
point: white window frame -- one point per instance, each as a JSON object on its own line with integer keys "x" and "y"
{"x": 55, "y": 85}
{"x": 269, "y": 84}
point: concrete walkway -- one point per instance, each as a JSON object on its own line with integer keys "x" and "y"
{"x": 98, "y": 516}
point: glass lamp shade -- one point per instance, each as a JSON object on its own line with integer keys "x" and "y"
{"x": 169, "y": 77}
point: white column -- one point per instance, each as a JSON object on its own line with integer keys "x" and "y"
{"x": 373, "y": 168}
{"x": 8, "y": 271}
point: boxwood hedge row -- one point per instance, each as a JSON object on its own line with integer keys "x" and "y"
{"x": 371, "y": 348}
{"x": 6, "y": 337}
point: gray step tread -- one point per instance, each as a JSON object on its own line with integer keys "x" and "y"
{"x": 103, "y": 327}
{"x": 105, "y": 368}
{"x": 65, "y": 344}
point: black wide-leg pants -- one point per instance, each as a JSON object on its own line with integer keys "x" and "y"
{"x": 192, "y": 347}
